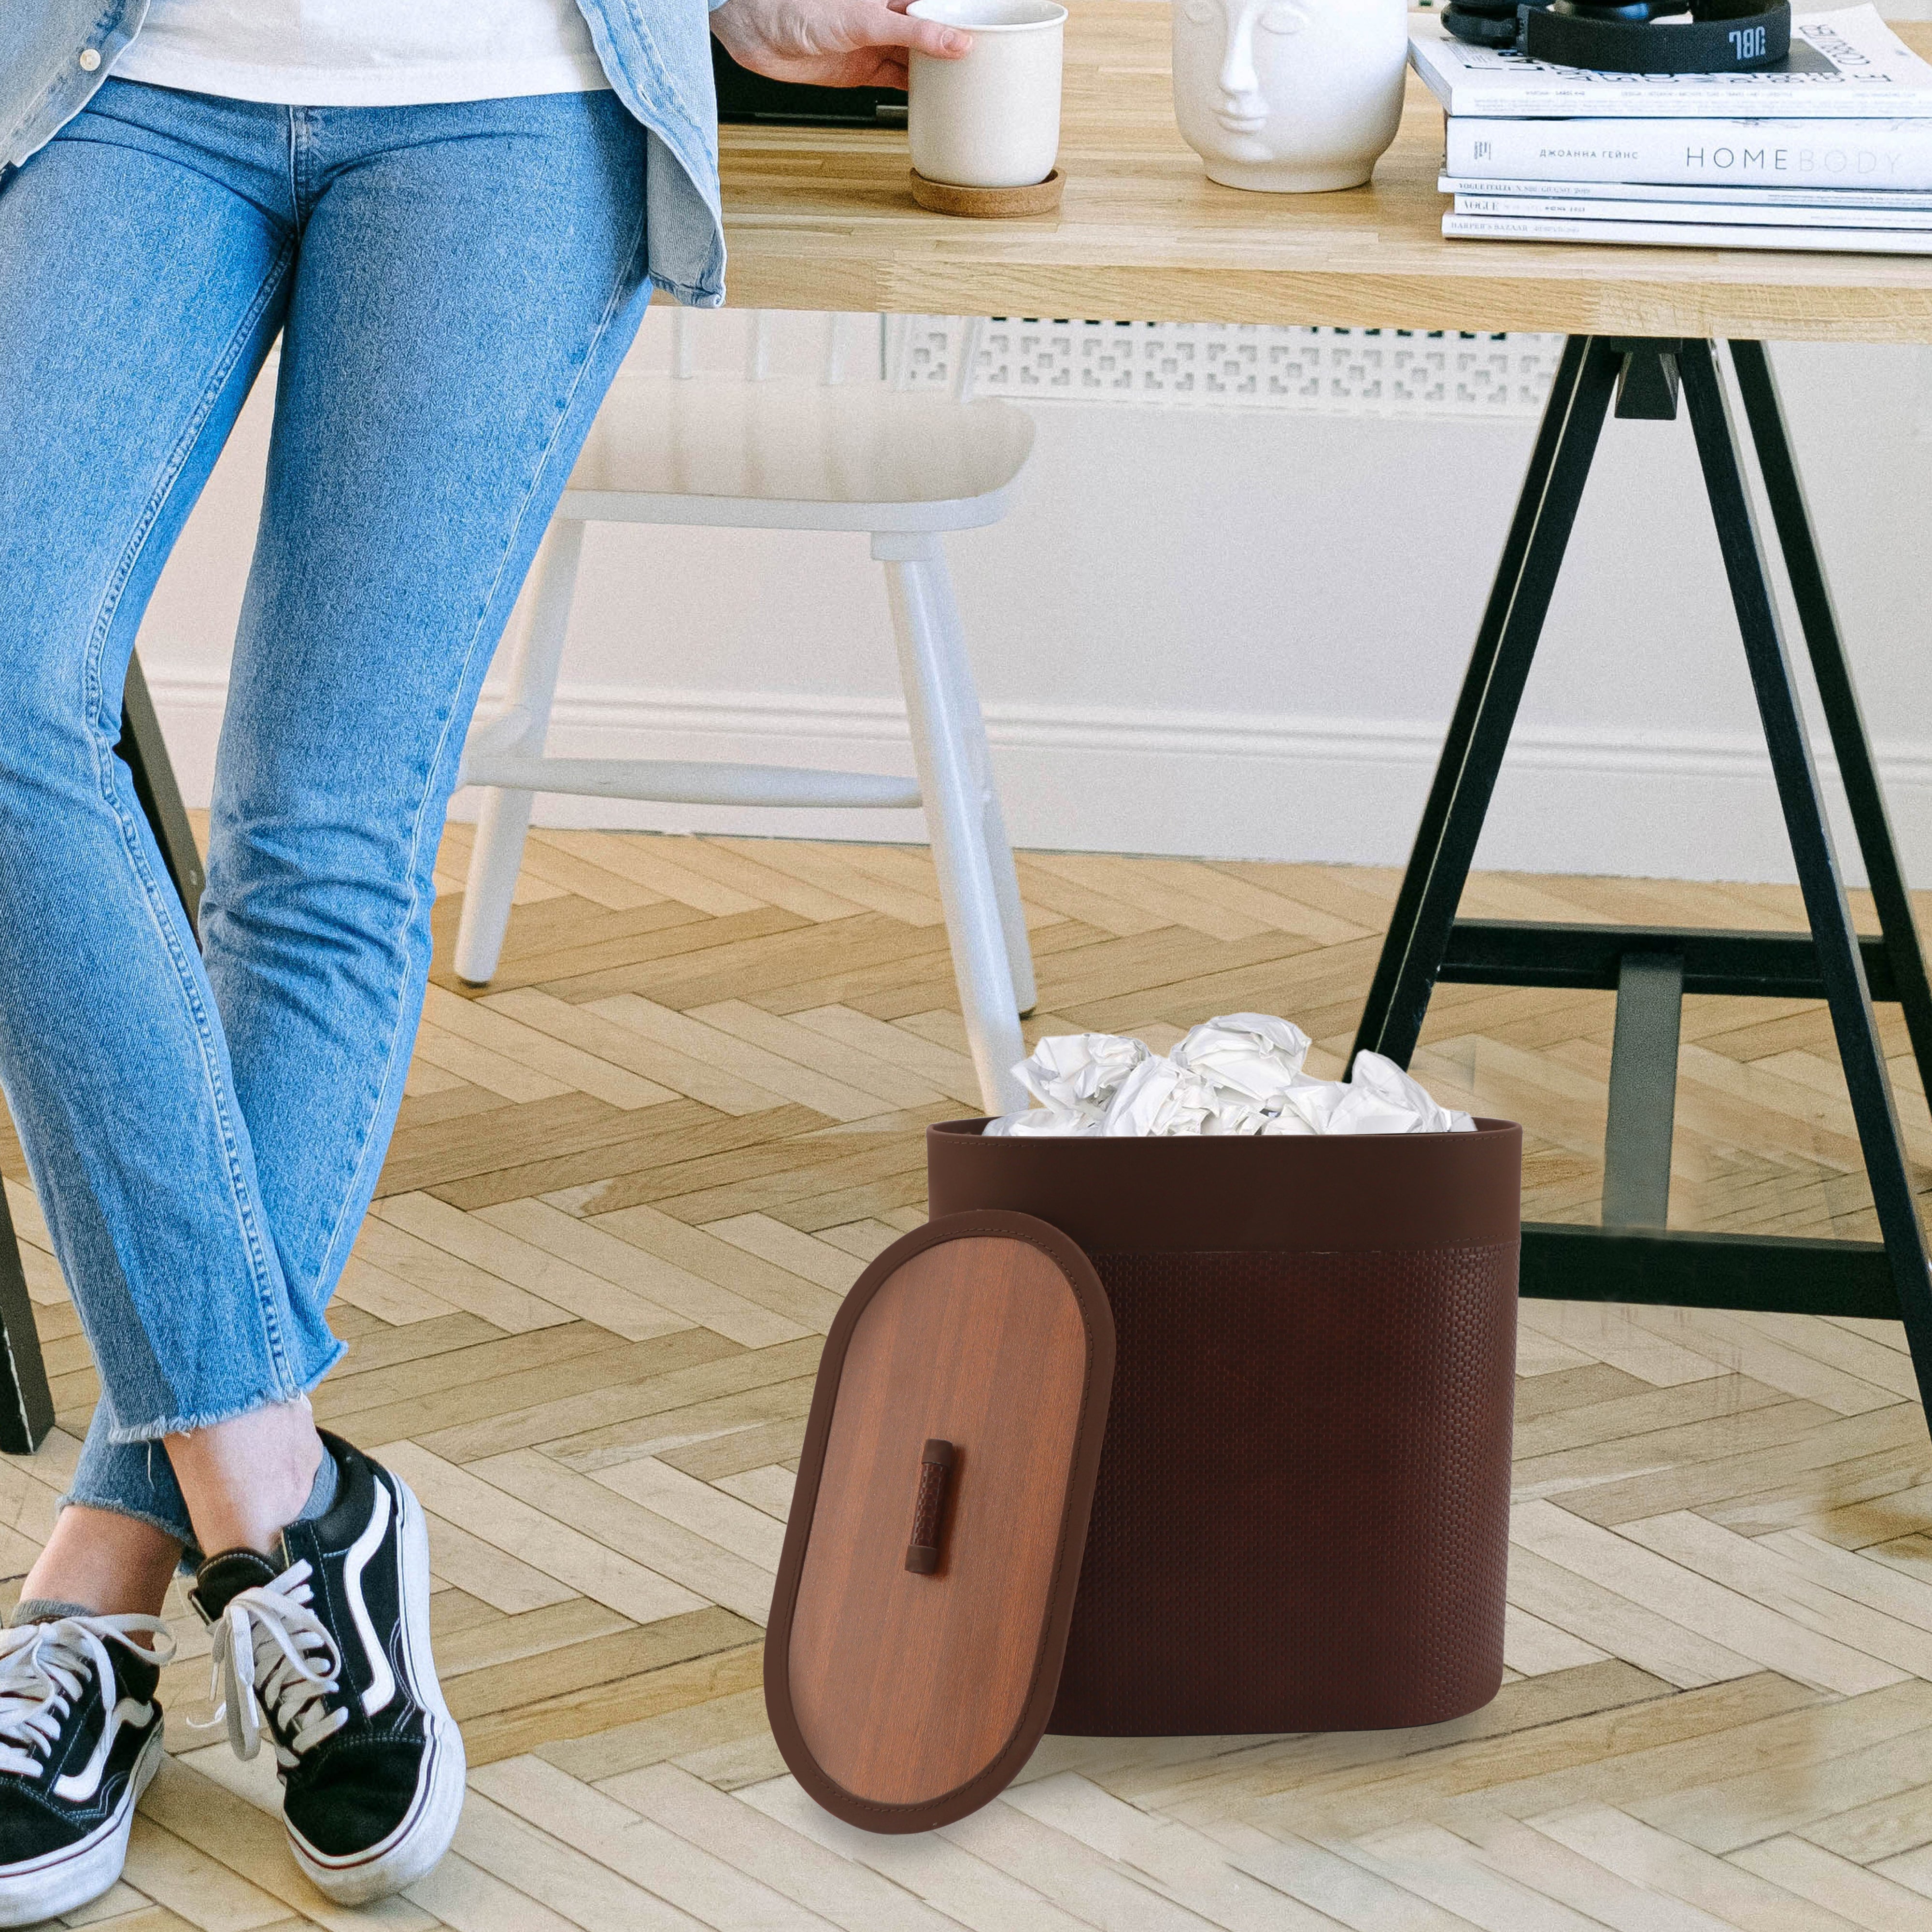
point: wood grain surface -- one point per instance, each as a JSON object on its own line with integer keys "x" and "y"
{"x": 819, "y": 218}
{"x": 904, "y": 1686}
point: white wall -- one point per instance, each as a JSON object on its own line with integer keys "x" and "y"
{"x": 1237, "y": 635}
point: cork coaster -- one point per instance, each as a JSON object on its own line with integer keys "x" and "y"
{"x": 942, "y": 198}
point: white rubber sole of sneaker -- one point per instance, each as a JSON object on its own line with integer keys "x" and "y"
{"x": 64, "y": 1882}
{"x": 411, "y": 1851}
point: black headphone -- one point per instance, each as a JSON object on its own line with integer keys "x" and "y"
{"x": 1624, "y": 36}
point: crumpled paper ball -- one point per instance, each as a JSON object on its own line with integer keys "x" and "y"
{"x": 1079, "y": 1069}
{"x": 1382, "y": 1099}
{"x": 1252, "y": 1055}
{"x": 1161, "y": 1096}
{"x": 1075, "y": 1077}
{"x": 1240, "y": 1074}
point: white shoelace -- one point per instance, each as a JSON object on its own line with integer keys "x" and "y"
{"x": 43, "y": 1672}
{"x": 293, "y": 1668}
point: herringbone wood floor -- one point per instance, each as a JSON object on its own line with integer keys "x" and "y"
{"x": 629, "y": 1186}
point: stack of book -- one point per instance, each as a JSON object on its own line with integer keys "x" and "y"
{"x": 1833, "y": 150}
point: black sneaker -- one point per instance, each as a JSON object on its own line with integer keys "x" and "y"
{"x": 328, "y": 1649}
{"x": 80, "y": 1736}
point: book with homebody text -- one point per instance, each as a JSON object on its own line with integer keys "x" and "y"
{"x": 1865, "y": 154}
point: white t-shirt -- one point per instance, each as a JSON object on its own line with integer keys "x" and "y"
{"x": 364, "y": 53}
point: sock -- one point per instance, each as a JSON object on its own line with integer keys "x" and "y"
{"x": 328, "y": 1480}
{"x": 43, "y": 1610}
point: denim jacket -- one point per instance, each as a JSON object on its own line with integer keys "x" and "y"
{"x": 54, "y": 54}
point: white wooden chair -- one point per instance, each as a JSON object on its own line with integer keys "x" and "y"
{"x": 767, "y": 453}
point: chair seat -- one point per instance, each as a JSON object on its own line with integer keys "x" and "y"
{"x": 796, "y": 455}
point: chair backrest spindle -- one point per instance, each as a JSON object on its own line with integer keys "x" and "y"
{"x": 971, "y": 336}
{"x": 683, "y": 355}
{"x": 758, "y": 351}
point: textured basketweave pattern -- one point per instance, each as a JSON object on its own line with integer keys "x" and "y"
{"x": 1371, "y": 372}
{"x": 1302, "y": 1518}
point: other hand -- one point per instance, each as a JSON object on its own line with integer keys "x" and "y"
{"x": 832, "y": 42}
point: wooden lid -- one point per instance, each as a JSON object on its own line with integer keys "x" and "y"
{"x": 934, "y": 1542}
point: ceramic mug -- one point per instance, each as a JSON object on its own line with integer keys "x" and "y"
{"x": 1290, "y": 95}
{"x": 991, "y": 119}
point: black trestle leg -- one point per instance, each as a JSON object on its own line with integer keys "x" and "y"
{"x": 1465, "y": 776}
{"x": 1632, "y": 1255}
{"x": 26, "y": 1405}
{"x": 144, "y": 752}
{"x": 1839, "y": 964}
{"x": 1818, "y": 618}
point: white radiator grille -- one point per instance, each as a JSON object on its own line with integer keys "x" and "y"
{"x": 1321, "y": 371}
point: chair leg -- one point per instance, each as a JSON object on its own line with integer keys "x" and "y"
{"x": 959, "y": 668}
{"x": 1012, "y": 914}
{"x": 504, "y": 820}
{"x": 495, "y": 860}
{"x": 956, "y": 814}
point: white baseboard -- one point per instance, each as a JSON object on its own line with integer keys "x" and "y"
{"x": 1214, "y": 784}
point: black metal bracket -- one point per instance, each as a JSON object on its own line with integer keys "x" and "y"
{"x": 1745, "y": 965}
{"x": 1638, "y": 1131}
{"x": 1647, "y": 388}
{"x": 1632, "y": 1256}
{"x": 1684, "y": 1269}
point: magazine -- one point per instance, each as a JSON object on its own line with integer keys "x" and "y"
{"x": 1688, "y": 234}
{"x": 1704, "y": 194}
{"x": 1696, "y": 214}
{"x": 1865, "y": 154}
{"x": 1849, "y": 63}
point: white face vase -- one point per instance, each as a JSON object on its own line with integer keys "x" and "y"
{"x": 1290, "y": 95}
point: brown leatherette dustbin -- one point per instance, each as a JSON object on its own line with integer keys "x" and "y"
{"x": 1301, "y": 1517}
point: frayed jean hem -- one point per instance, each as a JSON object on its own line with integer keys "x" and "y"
{"x": 123, "y": 1434}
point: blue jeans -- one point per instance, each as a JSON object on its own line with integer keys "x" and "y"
{"x": 455, "y": 286}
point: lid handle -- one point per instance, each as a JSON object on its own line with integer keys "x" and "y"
{"x": 928, "y": 1509}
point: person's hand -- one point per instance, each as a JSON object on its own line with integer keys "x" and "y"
{"x": 832, "y": 42}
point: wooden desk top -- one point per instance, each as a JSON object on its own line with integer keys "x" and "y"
{"x": 823, "y": 219}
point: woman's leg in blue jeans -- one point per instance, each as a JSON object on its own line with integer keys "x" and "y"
{"x": 140, "y": 287}
{"x": 465, "y": 281}
{"x": 468, "y": 282}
